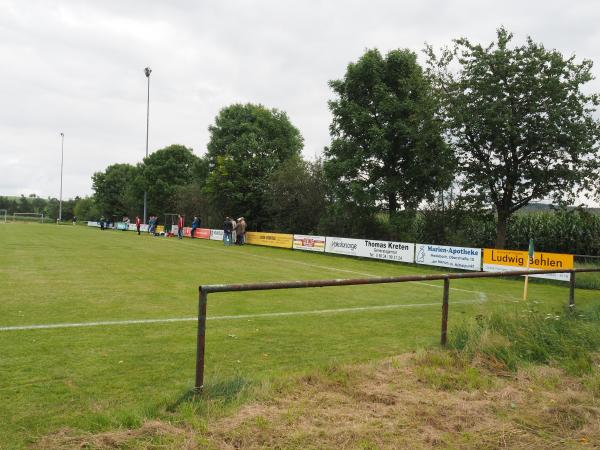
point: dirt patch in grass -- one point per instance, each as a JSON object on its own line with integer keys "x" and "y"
{"x": 152, "y": 434}
{"x": 393, "y": 405}
{"x": 424, "y": 400}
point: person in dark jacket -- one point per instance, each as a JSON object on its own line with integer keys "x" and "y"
{"x": 227, "y": 229}
{"x": 195, "y": 225}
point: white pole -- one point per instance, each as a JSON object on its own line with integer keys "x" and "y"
{"x": 147, "y": 71}
{"x": 62, "y": 146}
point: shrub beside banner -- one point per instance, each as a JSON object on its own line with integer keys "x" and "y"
{"x": 270, "y": 239}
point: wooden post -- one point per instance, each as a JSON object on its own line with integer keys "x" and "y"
{"x": 445, "y": 312}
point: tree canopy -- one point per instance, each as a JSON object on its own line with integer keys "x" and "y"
{"x": 387, "y": 145}
{"x": 247, "y": 143}
{"x": 519, "y": 122}
{"x": 112, "y": 189}
{"x": 163, "y": 171}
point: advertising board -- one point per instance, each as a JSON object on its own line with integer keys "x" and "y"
{"x": 216, "y": 235}
{"x": 202, "y": 233}
{"x": 310, "y": 243}
{"x": 270, "y": 239}
{"x": 501, "y": 260}
{"x": 464, "y": 258}
{"x": 369, "y": 248}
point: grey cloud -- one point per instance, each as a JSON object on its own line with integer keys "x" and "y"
{"x": 77, "y": 67}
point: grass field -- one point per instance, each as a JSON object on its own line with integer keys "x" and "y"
{"x": 109, "y": 376}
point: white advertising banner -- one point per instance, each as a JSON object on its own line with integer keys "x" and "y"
{"x": 464, "y": 258}
{"x": 368, "y": 248}
{"x": 216, "y": 235}
{"x": 310, "y": 243}
{"x": 93, "y": 224}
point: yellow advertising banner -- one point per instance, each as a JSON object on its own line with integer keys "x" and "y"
{"x": 498, "y": 260}
{"x": 270, "y": 239}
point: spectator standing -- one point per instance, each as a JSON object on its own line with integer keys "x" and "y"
{"x": 195, "y": 224}
{"x": 180, "y": 223}
{"x": 241, "y": 231}
{"x": 102, "y": 219}
{"x": 138, "y": 224}
{"x": 233, "y": 233}
{"x": 227, "y": 229}
{"x": 151, "y": 224}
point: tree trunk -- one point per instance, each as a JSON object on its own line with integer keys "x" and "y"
{"x": 392, "y": 204}
{"x": 501, "y": 229}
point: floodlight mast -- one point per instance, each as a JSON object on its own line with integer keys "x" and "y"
{"x": 147, "y": 71}
{"x": 62, "y": 147}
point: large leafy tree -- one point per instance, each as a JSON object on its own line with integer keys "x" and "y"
{"x": 520, "y": 123}
{"x": 111, "y": 189}
{"x": 163, "y": 172}
{"x": 387, "y": 146}
{"x": 247, "y": 143}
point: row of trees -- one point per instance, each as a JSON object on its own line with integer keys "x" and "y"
{"x": 47, "y": 206}
{"x": 501, "y": 124}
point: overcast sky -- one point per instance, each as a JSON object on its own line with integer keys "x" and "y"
{"x": 77, "y": 67}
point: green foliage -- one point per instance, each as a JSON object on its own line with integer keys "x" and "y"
{"x": 568, "y": 339}
{"x": 247, "y": 144}
{"x": 86, "y": 209}
{"x": 191, "y": 200}
{"x": 296, "y": 197}
{"x": 113, "y": 190}
{"x": 163, "y": 172}
{"x": 387, "y": 145}
{"x": 520, "y": 124}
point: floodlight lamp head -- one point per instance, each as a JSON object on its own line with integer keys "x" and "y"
{"x": 148, "y": 71}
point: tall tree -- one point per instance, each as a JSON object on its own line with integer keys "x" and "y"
{"x": 520, "y": 124}
{"x": 387, "y": 146}
{"x": 163, "y": 172}
{"x": 111, "y": 189}
{"x": 247, "y": 143}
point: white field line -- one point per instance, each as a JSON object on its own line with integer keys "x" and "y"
{"x": 239, "y": 316}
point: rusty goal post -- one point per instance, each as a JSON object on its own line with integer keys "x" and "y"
{"x": 204, "y": 290}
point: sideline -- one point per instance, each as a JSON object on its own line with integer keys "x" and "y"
{"x": 240, "y": 316}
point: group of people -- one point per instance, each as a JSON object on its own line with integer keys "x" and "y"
{"x": 152, "y": 222}
{"x": 234, "y": 231}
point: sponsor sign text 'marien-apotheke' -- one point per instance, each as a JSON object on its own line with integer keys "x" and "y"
{"x": 465, "y": 258}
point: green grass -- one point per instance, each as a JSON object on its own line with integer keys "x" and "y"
{"x": 101, "y": 378}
